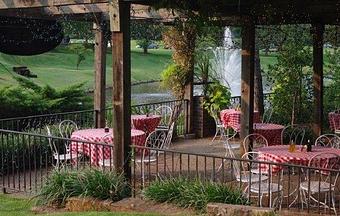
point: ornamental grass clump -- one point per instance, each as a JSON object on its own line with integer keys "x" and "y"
{"x": 193, "y": 193}
{"x": 63, "y": 184}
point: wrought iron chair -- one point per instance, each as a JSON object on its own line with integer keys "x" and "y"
{"x": 255, "y": 140}
{"x": 295, "y": 133}
{"x": 60, "y": 158}
{"x": 107, "y": 162}
{"x": 267, "y": 115}
{"x": 321, "y": 182}
{"x": 66, "y": 128}
{"x": 221, "y": 131}
{"x": 166, "y": 113}
{"x": 328, "y": 140}
{"x": 167, "y": 142}
{"x": 155, "y": 140}
{"x": 259, "y": 182}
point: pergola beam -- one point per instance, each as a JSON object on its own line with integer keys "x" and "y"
{"x": 8, "y": 4}
{"x": 121, "y": 66}
{"x": 247, "y": 81}
{"x": 317, "y": 31}
{"x": 100, "y": 47}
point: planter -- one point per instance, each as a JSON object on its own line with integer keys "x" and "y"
{"x": 204, "y": 124}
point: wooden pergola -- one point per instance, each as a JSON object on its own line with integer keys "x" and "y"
{"x": 245, "y": 13}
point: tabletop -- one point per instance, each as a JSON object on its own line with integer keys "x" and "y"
{"x": 232, "y": 118}
{"x": 272, "y": 132}
{"x": 280, "y": 154}
{"x": 334, "y": 120}
{"x": 98, "y": 152}
{"x": 145, "y": 123}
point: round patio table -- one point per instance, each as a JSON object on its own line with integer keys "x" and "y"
{"x": 98, "y": 152}
{"x": 280, "y": 154}
{"x": 272, "y": 132}
{"x": 334, "y": 121}
{"x": 145, "y": 123}
{"x": 232, "y": 118}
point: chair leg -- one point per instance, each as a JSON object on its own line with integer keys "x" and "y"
{"x": 217, "y": 131}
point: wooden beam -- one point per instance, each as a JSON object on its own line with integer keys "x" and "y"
{"x": 317, "y": 31}
{"x": 7, "y": 4}
{"x": 247, "y": 80}
{"x": 122, "y": 91}
{"x": 100, "y": 47}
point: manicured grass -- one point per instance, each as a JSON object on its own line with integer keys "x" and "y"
{"x": 58, "y": 67}
{"x": 10, "y": 206}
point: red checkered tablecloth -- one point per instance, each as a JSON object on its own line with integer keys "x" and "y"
{"x": 232, "y": 118}
{"x": 272, "y": 132}
{"x": 280, "y": 154}
{"x": 145, "y": 123}
{"x": 98, "y": 152}
{"x": 334, "y": 120}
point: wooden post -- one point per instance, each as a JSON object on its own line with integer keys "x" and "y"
{"x": 189, "y": 123}
{"x": 122, "y": 89}
{"x": 317, "y": 31}
{"x": 100, "y": 47}
{"x": 247, "y": 81}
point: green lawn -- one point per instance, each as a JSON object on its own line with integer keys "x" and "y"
{"x": 58, "y": 67}
{"x": 10, "y": 206}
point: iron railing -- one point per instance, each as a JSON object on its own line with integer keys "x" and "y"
{"x": 28, "y": 159}
{"x": 203, "y": 167}
{"x": 86, "y": 118}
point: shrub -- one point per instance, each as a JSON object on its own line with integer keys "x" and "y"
{"x": 218, "y": 98}
{"x": 193, "y": 193}
{"x": 29, "y": 98}
{"x": 64, "y": 183}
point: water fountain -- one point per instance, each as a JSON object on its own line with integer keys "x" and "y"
{"x": 226, "y": 64}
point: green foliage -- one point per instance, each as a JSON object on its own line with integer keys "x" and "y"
{"x": 64, "y": 183}
{"x": 218, "y": 98}
{"x": 145, "y": 32}
{"x": 29, "y": 98}
{"x": 332, "y": 82}
{"x": 78, "y": 30}
{"x": 80, "y": 50}
{"x": 292, "y": 97}
{"x": 192, "y": 193}
{"x": 175, "y": 78}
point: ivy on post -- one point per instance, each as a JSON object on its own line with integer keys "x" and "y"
{"x": 119, "y": 25}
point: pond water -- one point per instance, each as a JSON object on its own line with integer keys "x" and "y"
{"x": 144, "y": 93}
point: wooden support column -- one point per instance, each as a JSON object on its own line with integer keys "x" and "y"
{"x": 317, "y": 31}
{"x": 120, "y": 28}
{"x": 100, "y": 47}
{"x": 247, "y": 80}
{"x": 189, "y": 123}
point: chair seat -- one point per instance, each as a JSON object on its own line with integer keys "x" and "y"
{"x": 264, "y": 188}
{"x": 106, "y": 163}
{"x": 146, "y": 159}
{"x": 337, "y": 131}
{"x": 245, "y": 177}
{"x": 314, "y": 186}
{"x": 65, "y": 157}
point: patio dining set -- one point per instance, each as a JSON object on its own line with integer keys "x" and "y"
{"x": 269, "y": 152}
{"x": 153, "y": 129}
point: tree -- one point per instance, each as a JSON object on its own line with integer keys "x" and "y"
{"x": 79, "y": 30}
{"x": 292, "y": 98}
{"x": 145, "y": 32}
